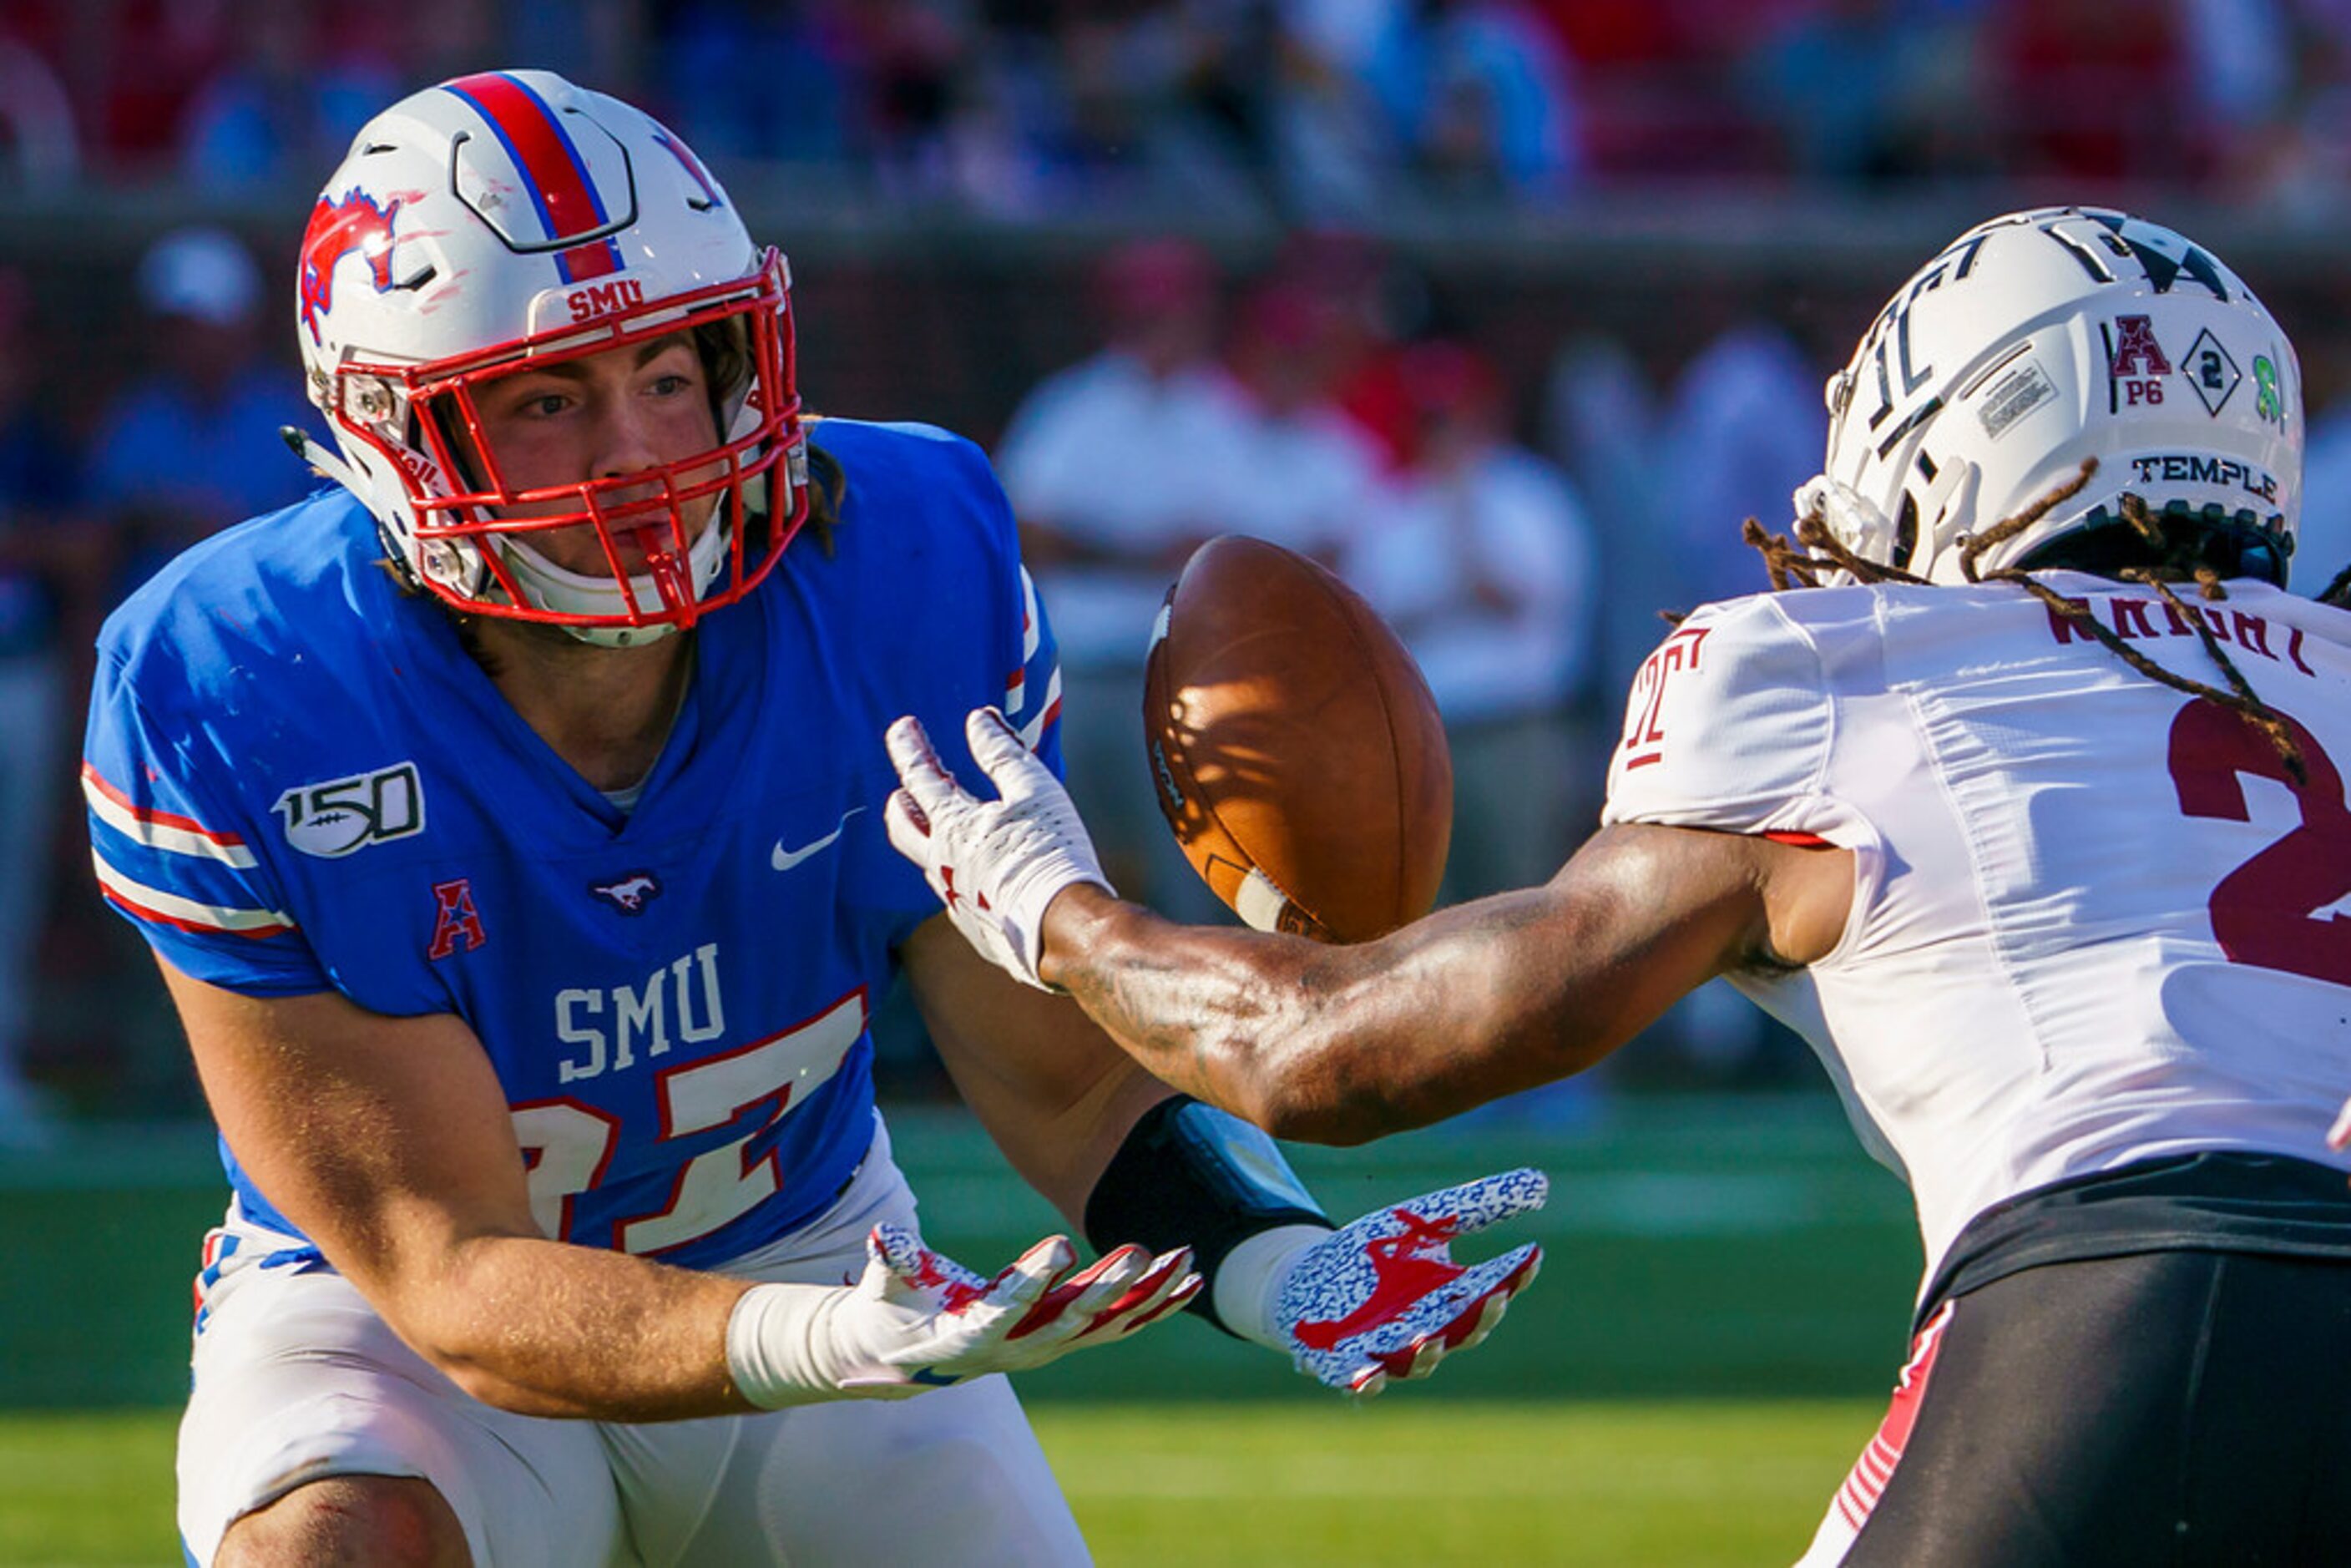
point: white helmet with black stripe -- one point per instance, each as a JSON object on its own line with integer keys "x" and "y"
{"x": 2039, "y": 339}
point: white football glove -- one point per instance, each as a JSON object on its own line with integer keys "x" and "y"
{"x": 917, "y": 1320}
{"x": 1382, "y": 1298}
{"x": 996, "y": 865}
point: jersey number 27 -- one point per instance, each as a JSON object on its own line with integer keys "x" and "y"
{"x": 568, "y": 1145}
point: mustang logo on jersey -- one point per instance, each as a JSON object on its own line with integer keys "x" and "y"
{"x": 344, "y": 815}
{"x": 630, "y": 893}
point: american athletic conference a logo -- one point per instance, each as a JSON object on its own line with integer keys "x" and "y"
{"x": 455, "y": 921}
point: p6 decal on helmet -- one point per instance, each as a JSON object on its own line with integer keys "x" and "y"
{"x": 510, "y": 221}
{"x": 2037, "y": 340}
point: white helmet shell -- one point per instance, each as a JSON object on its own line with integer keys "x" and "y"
{"x": 2039, "y": 339}
{"x": 512, "y": 218}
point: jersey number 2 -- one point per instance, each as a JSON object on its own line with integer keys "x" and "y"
{"x": 2266, "y": 910}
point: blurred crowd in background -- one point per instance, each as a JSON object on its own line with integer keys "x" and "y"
{"x": 1022, "y": 107}
{"x": 1520, "y": 466}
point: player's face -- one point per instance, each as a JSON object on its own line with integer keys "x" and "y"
{"x": 603, "y": 416}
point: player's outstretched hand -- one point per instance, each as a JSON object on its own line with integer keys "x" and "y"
{"x": 928, "y": 1321}
{"x": 1383, "y": 1298}
{"x": 996, "y": 865}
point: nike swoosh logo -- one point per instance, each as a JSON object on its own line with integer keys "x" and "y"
{"x": 783, "y": 859}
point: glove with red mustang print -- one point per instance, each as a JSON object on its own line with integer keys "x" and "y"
{"x": 1383, "y": 1298}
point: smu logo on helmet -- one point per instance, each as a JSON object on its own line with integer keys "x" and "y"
{"x": 630, "y": 893}
{"x": 603, "y": 298}
{"x": 337, "y": 228}
{"x": 343, "y": 816}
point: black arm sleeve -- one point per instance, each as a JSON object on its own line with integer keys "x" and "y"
{"x": 1190, "y": 1175}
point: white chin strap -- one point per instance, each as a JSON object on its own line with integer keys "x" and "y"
{"x": 1858, "y": 525}
{"x": 548, "y": 586}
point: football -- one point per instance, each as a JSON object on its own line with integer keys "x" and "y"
{"x": 329, "y": 834}
{"x": 1294, "y": 747}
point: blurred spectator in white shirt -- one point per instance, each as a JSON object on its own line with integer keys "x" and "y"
{"x": 1483, "y": 562}
{"x": 1306, "y": 475}
{"x": 1117, "y": 468}
{"x": 1104, "y": 460}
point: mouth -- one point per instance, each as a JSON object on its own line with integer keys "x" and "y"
{"x": 655, "y": 534}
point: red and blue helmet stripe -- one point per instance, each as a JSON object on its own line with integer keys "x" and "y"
{"x": 551, "y": 169}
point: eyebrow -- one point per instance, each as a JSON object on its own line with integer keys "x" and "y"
{"x": 570, "y": 370}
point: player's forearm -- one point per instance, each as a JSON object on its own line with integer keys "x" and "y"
{"x": 1321, "y": 1044}
{"x": 543, "y": 1328}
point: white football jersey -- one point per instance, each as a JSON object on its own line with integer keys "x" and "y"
{"x": 2092, "y": 921}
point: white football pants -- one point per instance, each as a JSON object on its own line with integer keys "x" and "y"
{"x": 297, "y": 1378}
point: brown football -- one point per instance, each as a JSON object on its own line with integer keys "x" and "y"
{"x": 1297, "y": 752}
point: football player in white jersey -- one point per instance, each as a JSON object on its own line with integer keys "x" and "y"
{"x": 2026, "y": 803}
{"x": 507, "y": 823}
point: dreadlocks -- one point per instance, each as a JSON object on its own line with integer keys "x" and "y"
{"x": 2174, "y": 558}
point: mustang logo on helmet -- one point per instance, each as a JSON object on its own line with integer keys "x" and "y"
{"x": 354, "y": 223}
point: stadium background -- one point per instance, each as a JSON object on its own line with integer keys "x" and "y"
{"x": 1660, "y": 222}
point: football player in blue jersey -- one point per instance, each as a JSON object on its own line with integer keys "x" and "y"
{"x": 507, "y": 823}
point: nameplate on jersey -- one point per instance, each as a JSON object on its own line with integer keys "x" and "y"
{"x": 343, "y": 816}
{"x": 604, "y": 1030}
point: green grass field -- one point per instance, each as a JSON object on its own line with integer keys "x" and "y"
{"x": 1405, "y": 1480}
{"x": 1724, "y": 1302}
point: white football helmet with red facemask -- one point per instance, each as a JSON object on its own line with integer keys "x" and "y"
{"x": 2044, "y": 337}
{"x": 510, "y": 220}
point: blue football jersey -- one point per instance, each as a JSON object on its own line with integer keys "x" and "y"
{"x": 299, "y": 780}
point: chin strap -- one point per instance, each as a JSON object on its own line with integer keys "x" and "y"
{"x": 1858, "y": 524}
{"x": 325, "y": 460}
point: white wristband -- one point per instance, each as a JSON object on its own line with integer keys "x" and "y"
{"x": 777, "y": 1338}
{"x": 1246, "y": 1291}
